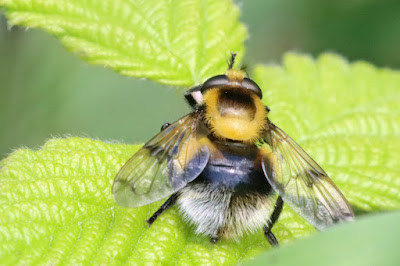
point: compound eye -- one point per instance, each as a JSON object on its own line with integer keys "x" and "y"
{"x": 251, "y": 85}
{"x": 216, "y": 81}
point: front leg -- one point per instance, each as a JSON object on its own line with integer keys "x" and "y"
{"x": 271, "y": 221}
{"x": 170, "y": 201}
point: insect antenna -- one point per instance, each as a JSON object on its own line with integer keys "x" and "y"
{"x": 232, "y": 60}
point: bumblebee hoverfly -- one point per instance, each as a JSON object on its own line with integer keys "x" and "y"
{"x": 228, "y": 167}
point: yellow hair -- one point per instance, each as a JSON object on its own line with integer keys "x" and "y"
{"x": 235, "y": 75}
{"x": 236, "y": 128}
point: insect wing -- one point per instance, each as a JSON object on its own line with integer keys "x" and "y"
{"x": 163, "y": 165}
{"x": 301, "y": 182}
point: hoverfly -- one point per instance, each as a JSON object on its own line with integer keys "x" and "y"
{"x": 228, "y": 167}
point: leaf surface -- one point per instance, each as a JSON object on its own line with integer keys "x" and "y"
{"x": 347, "y": 117}
{"x": 371, "y": 241}
{"x": 178, "y": 43}
{"x": 57, "y": 206}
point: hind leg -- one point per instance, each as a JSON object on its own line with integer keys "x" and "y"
{"x": 271, "y": 221}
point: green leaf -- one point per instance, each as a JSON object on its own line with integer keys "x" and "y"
{"x": 57, "y": 208}
{"x": 347, "y": 117}
{"x": 172, "y": 42}
{"x": 56, "y": 202}
{"x": 369, "y": 241}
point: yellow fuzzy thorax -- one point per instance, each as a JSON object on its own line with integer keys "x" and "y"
{"x": 235, "y": 127}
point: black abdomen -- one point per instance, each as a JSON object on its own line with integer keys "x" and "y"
{"x": 236, "y": 167}
{"x": 231, "y": 196}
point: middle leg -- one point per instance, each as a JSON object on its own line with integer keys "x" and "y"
{"x": 170, "y": 201}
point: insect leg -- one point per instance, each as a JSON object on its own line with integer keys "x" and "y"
{"x": 271, "y": 221}
{"x": 170, "y": 201}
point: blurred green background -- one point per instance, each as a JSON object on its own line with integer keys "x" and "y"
{"x": 46, "y": 91}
